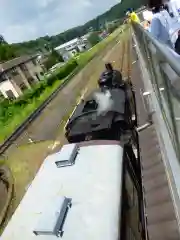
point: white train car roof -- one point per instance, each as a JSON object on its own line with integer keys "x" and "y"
{"x": 93, "y": 183}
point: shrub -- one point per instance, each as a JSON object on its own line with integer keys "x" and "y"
{"x": 50, "y": 80}
{"x": 53, "y": 59}
{"x": 67, "y": 69}
{"x": 94, "y": 38}
{"x": 62, "y": 72}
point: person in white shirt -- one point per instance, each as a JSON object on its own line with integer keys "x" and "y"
{"x": 160, "y": 25}
{"x": 173, "y": 8}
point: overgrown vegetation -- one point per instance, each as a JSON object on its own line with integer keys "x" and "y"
{"x": 94, "y": 38}
{"x": 7, "y": 52}
{"x": 53, "y": 58}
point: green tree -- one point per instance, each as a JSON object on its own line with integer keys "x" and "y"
{"x": 6, "y": 52}
{"x": 53, "y": 58}
{"x": 2, "y": 40}
{"x": 94, "y": 38}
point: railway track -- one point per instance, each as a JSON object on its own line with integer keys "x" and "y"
{"x": 28, "y": 131}
{"x": 125, "y": 58}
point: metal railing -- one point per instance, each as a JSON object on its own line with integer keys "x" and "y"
{"x": 163, "y": 66}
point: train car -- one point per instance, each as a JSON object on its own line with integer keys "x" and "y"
{"x": 90, "y": 190}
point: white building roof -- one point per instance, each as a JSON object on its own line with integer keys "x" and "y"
{"x": 94, "y": 185}
{"x": 67, "y": 44}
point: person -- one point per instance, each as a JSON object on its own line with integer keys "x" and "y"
{"x": 133, "y": 16}
{"x": 110, "y": 78}
{"x": 166, "y": 7}
{"x": 160, "y": 24}
{"x": 147, "y": 25}
{"x": 173, "y": 8}
{"x": 167, "y": 17}
{"x": 177, "y": 44}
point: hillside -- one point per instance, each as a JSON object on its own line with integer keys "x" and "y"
{"x": 116, "y": 12}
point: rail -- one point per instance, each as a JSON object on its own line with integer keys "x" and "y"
{"x": 162, "y": 64}
{"x": 24, "y": 126}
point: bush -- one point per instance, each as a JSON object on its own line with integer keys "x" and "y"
{"x": 53, "y": 59}
{"x": 62, "y": 72}
{"x": 50, "y": 80}
{"x": 94, "y": 39}
{"x": 67, "y": 69}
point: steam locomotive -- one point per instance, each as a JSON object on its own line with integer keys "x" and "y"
{"x": 108, "y": 113}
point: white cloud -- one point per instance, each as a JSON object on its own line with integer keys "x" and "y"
{"x": 28, "y": 19}
{"x": 16, "y": 33}
{"x": 44, "y": 3}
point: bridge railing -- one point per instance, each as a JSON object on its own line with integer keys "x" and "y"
{"x": 163, "y": 66}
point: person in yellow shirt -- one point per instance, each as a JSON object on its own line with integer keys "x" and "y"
{"x": 133, "y": 16}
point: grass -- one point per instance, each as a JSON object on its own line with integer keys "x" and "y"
{"x": 24, "y": 167}
{"x": 21, "y": 113}
{"x": 24, "y": 112}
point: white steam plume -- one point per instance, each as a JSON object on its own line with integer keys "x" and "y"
{"x": 104, "y": 102}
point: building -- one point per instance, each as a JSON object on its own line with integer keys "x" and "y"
{"x": 18, "y": 75}
{"x": 71, "y": 48}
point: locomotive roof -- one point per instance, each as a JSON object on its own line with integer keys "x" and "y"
{"x": 94, "y": 185}
{"x": 118, "y": 97}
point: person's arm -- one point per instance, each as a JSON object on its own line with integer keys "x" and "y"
{"x": 155, "y": 28}
{"x": 176, "y": 46}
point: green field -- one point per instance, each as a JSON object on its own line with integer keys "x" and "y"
{"x": 10, "y": 119}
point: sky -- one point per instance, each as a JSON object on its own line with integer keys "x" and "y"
{"x": 22, "y": 20}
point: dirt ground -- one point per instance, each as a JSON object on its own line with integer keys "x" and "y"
{"x": 24, "y": 161}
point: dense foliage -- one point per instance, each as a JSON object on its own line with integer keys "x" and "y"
{"x": 53, "y": 58}
{"x": 94, "y": 38}
{"x": 7, "y": 52}
{"x": 116, "y": 12}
